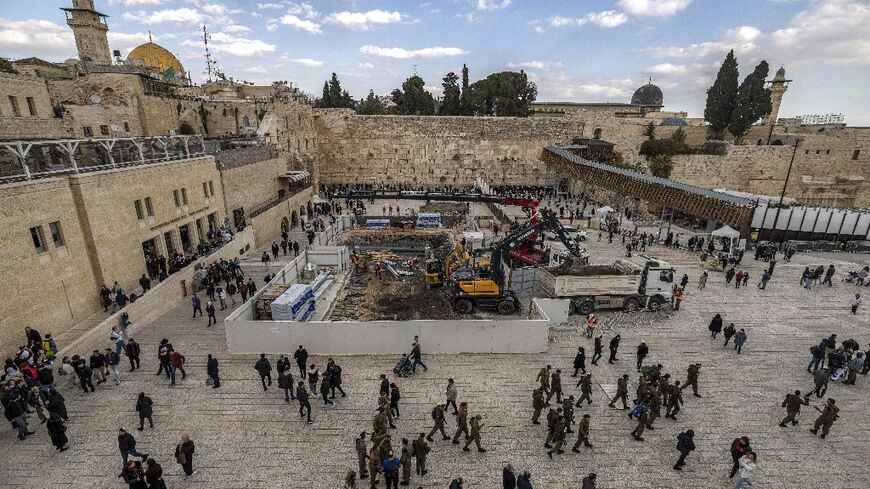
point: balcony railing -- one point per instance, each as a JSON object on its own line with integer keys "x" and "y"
{"x": 27, "y": 160}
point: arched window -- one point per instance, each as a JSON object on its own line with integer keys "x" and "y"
{"x": 597, "y": 133}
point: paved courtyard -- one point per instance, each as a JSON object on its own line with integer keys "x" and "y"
{"x": 249, "y": 439}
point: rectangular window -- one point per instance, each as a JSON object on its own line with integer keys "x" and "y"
{"x": 184, "y": 196}
{"x": 205, "y": 189}
{"x": 855, "y": 154}
{"x": 211, "y": 188}
{"x": 177, "y": 199}
{"x": 138, "y": 205}
{"x": 87, "y": 131}
{"x": 31, "y": 106}
{"x": 126, "y": 126}
{"x": 13, "y": 101}
{"x": 148, "y": 209}
{"x": 104, "y": 130}
{"x": 56, "y": 233}
{"x": 38, "y": 239}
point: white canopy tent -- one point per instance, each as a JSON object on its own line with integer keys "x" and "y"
{"x": 729, "y": 233}
{"x": 604, "y": 210}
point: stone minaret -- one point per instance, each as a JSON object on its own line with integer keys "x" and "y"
{"x": 89, "y": 28}
{"x": 777, "y": 87}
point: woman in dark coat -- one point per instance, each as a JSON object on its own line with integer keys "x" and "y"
{"x": 184, "y": 451}
{"x": 57, "y": 404}
{"x": 57, "y": 432}
{"x": 715, "y": 325}
{"x": 154, "y": 475}
{"x": 133, "y": 475}
{"x": 143, "y": 407}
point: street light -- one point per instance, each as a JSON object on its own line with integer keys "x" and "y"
{"x": 784, "y": 185}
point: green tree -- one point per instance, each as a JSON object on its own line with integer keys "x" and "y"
{"x": 721, "y": 96}
{"x": 371, "y": 105}
{"x": 413, "y": 99}
{"x": 333, "y": 95}
{"x": 507, "y": 93}
{"x": 661, "y": 166}
{"x": 752, "y": 102}
{"x": 465, "y": 105}
{"x": 451, "y": 97}
{"x": 6, "y": 66}
{"x": 679, "y": 136}
{"x": 650, "y": 131}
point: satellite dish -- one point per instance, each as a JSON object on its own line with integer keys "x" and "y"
{"x": 115, "y": 127}
{"x": 95, "y": 99}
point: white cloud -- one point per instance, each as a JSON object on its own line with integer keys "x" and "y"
{"x": 126, "y": 42}
{"x": 366, "y": 66}
{"x": 363, "y": 21}
{"x": 436, "y": 91}
{"x": 239, "y": 47}
{"x": 180, "y": 16}
{"x": 255, "y": 70}
{"x": 236, "y": 29}
{"x": 535, "y": 65}
{"x": 562, "y": 86}
{"x": 268, "y": 5}
{"x": 300, "y": 24}
{"x": 133, "y": 3}
{"x": 607, "y": 19}
{"x": 26, "y": 38}
{"x": 490, "y": 5}
{"x": 653, "y": 8}
{"x": 401, "y": 53}
{"x": 307, "y": 62}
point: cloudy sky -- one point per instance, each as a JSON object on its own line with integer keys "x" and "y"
{"x": 575, "y": 50}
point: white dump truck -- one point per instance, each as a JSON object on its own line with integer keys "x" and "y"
{"x": 629, "y": 283}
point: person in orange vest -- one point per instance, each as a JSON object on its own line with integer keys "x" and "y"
{"x": 591, "y": 322}
{"x": 678, "y": 297}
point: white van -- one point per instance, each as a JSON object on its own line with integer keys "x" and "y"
{"x": 571, "y": 232}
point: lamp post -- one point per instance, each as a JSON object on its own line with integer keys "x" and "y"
{"x": 784, "y": 185}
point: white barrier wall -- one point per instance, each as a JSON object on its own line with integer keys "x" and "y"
{"x": 377, "y": 337}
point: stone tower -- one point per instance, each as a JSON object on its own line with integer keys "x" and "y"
{"x": 777, "y": 87}
{"x": 90, "y": 29}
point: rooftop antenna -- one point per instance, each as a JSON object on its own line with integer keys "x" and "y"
{"x": 415, "y": 70}
{"x": 210, "y": 64}
{"x": 149, "y": 36}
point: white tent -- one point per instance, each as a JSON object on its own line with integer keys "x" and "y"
{"x": 604, "y": 210}
{"x": 729, "y": 233}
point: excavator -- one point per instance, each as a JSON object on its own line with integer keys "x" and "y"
{"x": 485, "y": 288}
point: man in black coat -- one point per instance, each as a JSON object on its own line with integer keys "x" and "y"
{"x": 211, "y": 369}
{"x": 301, "y": 356}
{"x": 614, "y": 346}
{"x": 579, "y": 361}
{"x": 302, "y": 396}
{"x": 264, "y": 369}
{"x": 642, "y": 352}
{"x": 685, "y": 444}
{"x": 56, "y": 404}
{"x": 508, "y": 479}
{"x": 127, "y": 447}
{"x": 132, "y": 351}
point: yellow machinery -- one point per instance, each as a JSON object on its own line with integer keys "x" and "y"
{"x": 437, "y": 272}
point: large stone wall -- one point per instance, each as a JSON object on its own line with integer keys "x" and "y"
{"x": 249, "y": 186}
{"x": 436, "y": 150}
{"x": 267, "y": 225}
{"x": 50, "y": 290}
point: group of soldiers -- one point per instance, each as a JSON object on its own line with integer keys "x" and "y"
{"x": 654, "y": 390}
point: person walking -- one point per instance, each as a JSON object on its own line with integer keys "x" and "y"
{"x": 582, "y": 434}
{"x": 792, "y": 404}
{"x": 313, "y": 378}
{"x": 303, "y": 398}
{"x": 597, "y": 349}
{"x": 641, "y": 413}
{"x": 614, "y": 346}
{"x": 163, "y": 352}
{"x": 132, "y": 351}
{"x": 197, "y": 305}
{"x": 579, "y": 361}
{"x": 856, "y": 303}
{"x": 589, "y": 482}
{"x": 212, "y": 370}
{"x": 395, "y": 396}
{"x": 301, "y": 356}
{"x": 451, "y": 396}
{"x": 739, "y": 340}
{"x": 113, "y": 361}
{"x": 476, "y": 425}
{"x": 209, "y": 309}
{"x": 728, "y": 333}
{"x": 57, "y": 432}
{"x": 176, "y": 363}
{"x": 621, "y": 392}
{"x": 264, "y": 368}
{"x": 747, "y": 465}
{"x": 642, "y": 352}
{"x": 127, "y": 447}
{"x": 145, "y": 410}
{"x": 417, "y": 358}
{"x": 685, "y": 445}
{"x": 702, "y": 280}
{"x": 15, "y": 413}
{"x": 692, "y": 374}
{"x": 829, "y": 414}
{"x": 184, "y": 455}
{"x": 361, "y": 455}
{"x": 555, "y": 386}
{"x": 390, "y": 466}
{"x": 856, "y": 365}
{"x": 154, "y": 475}
{"x": 85, "y": 373}
{"x": 324, "y": 391}
{"x": 508, "y": 478}
{"x": 285, "y": 382}
{"x": 461, "y": 423}
{"x": 739, "y": 448}
{"x": 438, "y": 418}
{"x": 820, "y": 380}
{"x": 715, "y": 325}
{"x": 421, "y": 450}
{"x": 133, "y": 475}
{"x": 98, "y": 366}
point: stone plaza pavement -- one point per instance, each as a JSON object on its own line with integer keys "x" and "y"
{"x": 249, "y": 439}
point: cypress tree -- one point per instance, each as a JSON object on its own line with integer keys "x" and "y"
{"x": 721, "y": 96}
{"x": 752, "y": 102}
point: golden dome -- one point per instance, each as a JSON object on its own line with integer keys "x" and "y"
{"x": 159, "y": 59}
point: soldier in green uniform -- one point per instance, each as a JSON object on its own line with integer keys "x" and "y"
{"x": 640, "y": 392}
{"x": 374, "y": 465}
{"x": 621, "y": 392}
{"x": 582, "y": 434}
{"x": 792, "y": 404}
{"x": 675, "y": 399}
{"x": 641, "y": 422}
{"x": 361, "y": 454}
{"x": 655, "y": 408}
{"x": 585, "y": 385}
{"x": 476, "y": 425}
{"x": 538, "y": 404}
{"x": 665, "y": 388}
{"x": 421, "y": 449}
{"x": 384, "y": 402}
{"x": 692, "y": 378}
{"x": 558, "y": 437}
{"x": 385, "y": 448}
{"x": 555, "y": 386}
{"x": 438, "y": 417}
{"x": 407, "y": 456}
{"x": 544, "y": 378}
{"x": 826, "y": 419}
{"x": 553, "y": 416}
{"x": 461, "y": 422}
{"x": 568, "y": 413}
{"x": 379, "y": 424}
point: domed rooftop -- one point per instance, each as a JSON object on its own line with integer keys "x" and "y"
{"x": 159, "y": 59}
{"x": 648, "y": 94}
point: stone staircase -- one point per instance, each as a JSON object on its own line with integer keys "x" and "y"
{"x": 267, "y": 125}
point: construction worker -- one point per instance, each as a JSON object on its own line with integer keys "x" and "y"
{"x": 476, "y": 425}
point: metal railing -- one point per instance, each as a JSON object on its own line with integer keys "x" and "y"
{"x": 27, "y": 160}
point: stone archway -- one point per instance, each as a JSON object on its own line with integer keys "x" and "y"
{"x": 294, "y": 219}
{"x": 186, "y": 129}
